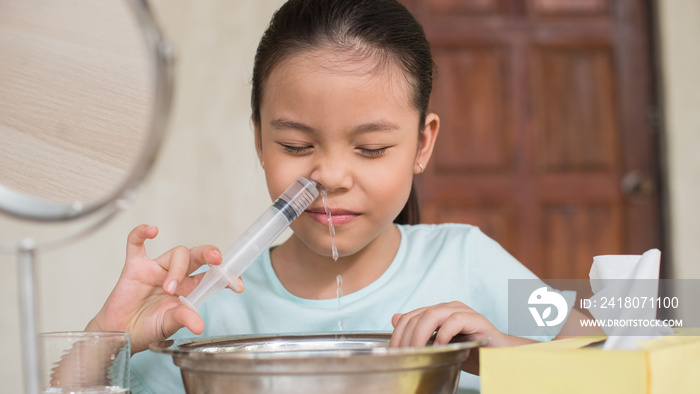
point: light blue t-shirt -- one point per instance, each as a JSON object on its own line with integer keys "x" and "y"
{"x": 434, "y": 264}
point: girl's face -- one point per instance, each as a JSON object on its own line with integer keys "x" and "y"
{"x": 348, "y": 125}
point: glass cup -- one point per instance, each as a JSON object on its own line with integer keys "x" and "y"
{"x": 85, "y": 362}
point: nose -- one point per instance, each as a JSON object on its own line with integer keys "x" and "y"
{"x": 334, "y": 173}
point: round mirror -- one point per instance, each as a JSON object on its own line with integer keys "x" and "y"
{"x": 84, "y": 92}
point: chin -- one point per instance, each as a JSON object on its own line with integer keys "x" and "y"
{"x": 322, "y": 246}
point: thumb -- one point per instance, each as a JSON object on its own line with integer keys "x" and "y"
{"x": 182, "y": 316}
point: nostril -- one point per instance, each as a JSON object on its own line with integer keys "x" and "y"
{"x": 319, "y": 186}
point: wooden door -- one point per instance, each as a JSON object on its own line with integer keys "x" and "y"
{"x": 546, "y": 142}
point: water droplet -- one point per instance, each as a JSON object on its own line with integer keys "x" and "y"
{"x": 339, "y": 290}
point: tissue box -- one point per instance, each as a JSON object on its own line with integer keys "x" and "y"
{"x": 669, "y": 364}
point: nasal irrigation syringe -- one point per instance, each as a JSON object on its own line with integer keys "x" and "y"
{"x": 254, "y": 241}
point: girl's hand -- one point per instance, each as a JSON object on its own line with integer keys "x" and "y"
{"x": 449, "y": 319}
{"x": 145, "y": 301}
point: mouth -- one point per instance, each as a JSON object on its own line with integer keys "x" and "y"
{"x": 338, "y": 216}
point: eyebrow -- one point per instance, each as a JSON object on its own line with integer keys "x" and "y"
{"x": 283, "y": 124}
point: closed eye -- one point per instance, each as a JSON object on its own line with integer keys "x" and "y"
{"x": 374, "y": 152}
{"x": 297, "y": 150}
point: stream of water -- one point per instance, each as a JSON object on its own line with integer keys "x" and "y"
{"x": 334, "y": 251}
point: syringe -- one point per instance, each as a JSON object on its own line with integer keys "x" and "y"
{"x": 254, "y": 241}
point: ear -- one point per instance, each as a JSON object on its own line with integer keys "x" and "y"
{"x": 426, "y": 141}
{"x": 258, "y": 141}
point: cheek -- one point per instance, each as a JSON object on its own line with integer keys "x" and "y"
{"x": 280, "y": 171}
{"x": 390, "y": 186}
{"x": 278, "y": 179}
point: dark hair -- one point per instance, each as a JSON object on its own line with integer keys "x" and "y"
{"x": 383, "y": 30}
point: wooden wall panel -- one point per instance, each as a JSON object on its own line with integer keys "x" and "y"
{"x": 575, "y": 7}
{"x": 493, "y": 219}
{"x": 544, "y": 107}
{"x": 574, "y": 233}
{"x": 464, "y": 6}
{"x": 576, "y": 116}
{"x": 471, "y": 91}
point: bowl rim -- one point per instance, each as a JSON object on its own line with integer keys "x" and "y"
{"x": 188, "y": 347}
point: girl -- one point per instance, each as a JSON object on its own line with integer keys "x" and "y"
{"x": 340, "y": 95}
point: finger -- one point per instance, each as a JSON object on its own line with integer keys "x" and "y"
{"x": 135, "y": 242}
{"x": 427, "y": 323}
{"x": 456, "y": 323}
{"x": 204, "y": 254}
{"x": 190, "y": 283}
{"x": 410, "y": 331}
{"x": 406, "y": 325}
{"x": 400, "y": 326}
{"x": 395, "y": 340}
{"x": 182, "y": 316}
{"x": 185, "y": 287}
{"x": 175, "y": 262}
{"x": 458, "y": 306}
{"x": 238, "y": 286}
{"x": 395, "y": 319}
{"x": 434, "y": 318}
{"x": 193, "y": 259}
{"x": 180, "y": 262}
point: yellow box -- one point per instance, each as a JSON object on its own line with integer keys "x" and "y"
{"x": 669, "y": 364}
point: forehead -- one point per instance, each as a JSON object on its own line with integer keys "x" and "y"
{"x": 343, "y": 70}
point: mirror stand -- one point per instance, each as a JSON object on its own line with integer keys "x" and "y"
{"x": 28, "y": 313}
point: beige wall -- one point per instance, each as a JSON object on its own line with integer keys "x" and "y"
{"x": 679, "y": 28}
{"x": 679, "y": 23}
{"x": 207, "y": 185}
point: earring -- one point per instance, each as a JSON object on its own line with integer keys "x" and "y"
{"x": 421, "y": 167}
{"x": 262, "y": 164}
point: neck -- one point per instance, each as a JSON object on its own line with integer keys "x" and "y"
{"x": 307, "y": 274}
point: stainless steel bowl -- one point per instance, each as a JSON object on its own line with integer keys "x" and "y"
{"x": 320, "y": 363}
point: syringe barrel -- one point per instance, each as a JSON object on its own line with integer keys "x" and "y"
{"x": 259, "y": 236}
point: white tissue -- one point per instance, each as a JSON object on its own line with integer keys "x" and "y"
{"x": 612, "y": 279}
